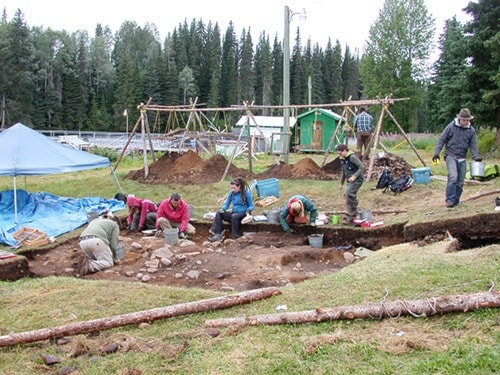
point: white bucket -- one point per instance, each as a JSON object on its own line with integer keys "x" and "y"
{"x": 171, "y": 235}
{"x": 273, "y": 216}
{"x": 315, "y": 240}
{"x": 477, "y": 168}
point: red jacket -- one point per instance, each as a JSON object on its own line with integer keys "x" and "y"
{"x": 178, "y": 215}
{"x": 144, "y": 205}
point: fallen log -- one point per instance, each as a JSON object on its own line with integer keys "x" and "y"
{"x": 138, "y": 317}
{"x": 482, "y": 194}
{"x": 416, "y": 308}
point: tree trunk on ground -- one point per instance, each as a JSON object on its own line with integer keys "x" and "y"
{"x": 138, "y": 317}
{"x": 416, "y": 308}
{"x": 483, "y": 194}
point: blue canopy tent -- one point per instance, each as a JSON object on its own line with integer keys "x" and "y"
{"x": 25, "y": 152}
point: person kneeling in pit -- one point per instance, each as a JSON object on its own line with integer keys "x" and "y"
{"x": 99, "y": 243}
{"x": 295, "y": 211}
{"x": 173, "y": 212}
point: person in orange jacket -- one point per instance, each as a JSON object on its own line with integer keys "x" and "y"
{"x": 173, "y": 212}
{"x": 141, "y": 214}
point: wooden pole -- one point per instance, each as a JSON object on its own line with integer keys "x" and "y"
{"x": 138, "y": 317}
{"x": 132, "y": 133}
{"x": 334, "y": 135}
{"x": 416, "y": 308}
{"x": 406, "y": 137}
{"x": 376, "y": 138}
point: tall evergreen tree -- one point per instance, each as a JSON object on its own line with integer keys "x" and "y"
{"x": 332, "y": 72}
{"x": 298, "y": 78}
{"x": 277, "y": 80}
{"x": 263, "y": 71}
{"x": 215, "y": 48}
{"x": 484, "y": 74}
{"x": 228, "y": 84}
{"x": 350, "y": 75}
{"x": 447, "y": 92}
{"x": 396, "y": 54}
{"x": 246, "y": 69}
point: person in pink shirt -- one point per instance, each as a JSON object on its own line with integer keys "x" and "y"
{"x": 141, "y": 214}
{"x": 173, "y": 212}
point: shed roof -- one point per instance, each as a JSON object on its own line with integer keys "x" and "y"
{"x": 265, "y": 121}
{"x": 326, "y": 112}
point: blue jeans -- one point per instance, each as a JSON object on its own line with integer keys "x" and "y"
{"x": 456, "y": 177}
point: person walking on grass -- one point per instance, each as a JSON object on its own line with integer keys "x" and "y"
{"x": 241, "y": 199}
{"x": 458, "y": 137}
{"x": 352, "y": 173}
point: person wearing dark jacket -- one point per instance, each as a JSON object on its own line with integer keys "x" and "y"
{"x": 352, "y": 172}
{"x": 458, "y": 137}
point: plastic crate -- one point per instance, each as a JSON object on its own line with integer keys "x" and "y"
{"x": 421, "y": 175}
{"x": 269, "y": 187}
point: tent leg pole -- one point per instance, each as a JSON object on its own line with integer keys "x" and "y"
{"x": 116, "y": 180}
{"x": 15, "y": 201}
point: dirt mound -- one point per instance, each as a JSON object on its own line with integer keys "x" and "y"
{"x": 304, "y": 169}
{"x": 188, "y": 168}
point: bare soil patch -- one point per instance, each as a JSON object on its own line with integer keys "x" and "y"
{"x": 257, "y": 260}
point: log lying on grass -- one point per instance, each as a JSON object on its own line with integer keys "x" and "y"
{"x": 417, "y": 308}
{"x": 481, "y": 194}
{"x": 138, "y": 317}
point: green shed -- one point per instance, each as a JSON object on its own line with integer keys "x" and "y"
{"x": 316, "y": 128}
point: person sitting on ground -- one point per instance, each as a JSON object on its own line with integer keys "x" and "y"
{"x": 295, "y": 211}
{"x": 173, "y": 212}
{"x": 121, "y": 197}
{"x": 241, "y": 199}
{"x": 99, "y": 243}
{"x": 141, "y": 214}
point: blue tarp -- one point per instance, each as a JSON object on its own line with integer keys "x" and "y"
{"x": 48, "y": 213}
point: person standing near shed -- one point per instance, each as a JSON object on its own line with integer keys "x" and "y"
{"x": 352, "y": 173}
{"x": 363, "y": 123}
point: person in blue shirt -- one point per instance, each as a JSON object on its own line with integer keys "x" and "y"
{"x": 458, "y": 137}
{"x": 363, "y": 123}
{"x": 242, "y": 204}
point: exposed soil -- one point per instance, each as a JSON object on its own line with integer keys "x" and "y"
{"x": 260, "y": 259}
{"x": 190, "y": 168}
{"x": 266, "y": 257}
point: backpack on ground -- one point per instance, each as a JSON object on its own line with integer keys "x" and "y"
{"x": 400, "y": 184}
{"x": 384, "y": 179}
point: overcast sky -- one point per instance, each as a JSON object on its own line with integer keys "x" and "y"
{"x": 348, "y": 20}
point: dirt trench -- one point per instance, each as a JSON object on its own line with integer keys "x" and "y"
{"x": 265, "y": 256}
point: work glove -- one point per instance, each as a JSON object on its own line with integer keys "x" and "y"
{"x": 478, "y": 158}
{"x": 182, "y": 235}
{"x": 435, "y": 158}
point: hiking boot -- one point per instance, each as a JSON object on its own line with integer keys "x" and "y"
{"x": 449, "y": 204}
{"x": 215, "y": 238}
{"x": 83, "y": 266}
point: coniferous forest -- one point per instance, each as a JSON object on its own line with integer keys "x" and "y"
{"x": 60, "y": 80}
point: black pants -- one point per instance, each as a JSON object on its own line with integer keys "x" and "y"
{"x": 233, "y": 218}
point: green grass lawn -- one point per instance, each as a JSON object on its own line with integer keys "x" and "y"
{"x": 459, "y": 343}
